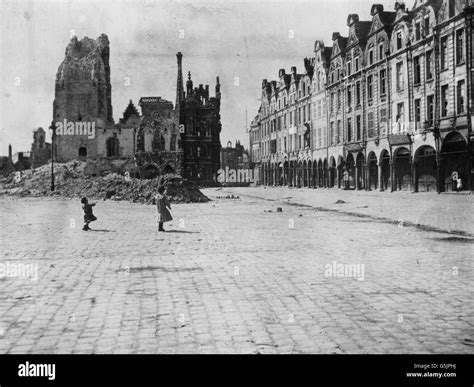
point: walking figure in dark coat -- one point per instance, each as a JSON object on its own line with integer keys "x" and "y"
{"x": 162, "y": 205}
{"x": 88, "y": 215}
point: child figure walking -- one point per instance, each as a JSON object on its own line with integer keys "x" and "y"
{"x": 162, "y": 205}
{"x": 88, "y": 215}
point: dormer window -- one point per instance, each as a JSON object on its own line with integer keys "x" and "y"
{"x": 399, "y": 40}
{"x": 417, "y": 30}
{"x": 371, "y": 57}
{"x": 427, "y": 26}
{"x": 381, "y": 53}
{"x": 452, "y": 8}
{"x": 357, "y": 64}
{"x": 349, "y": 70}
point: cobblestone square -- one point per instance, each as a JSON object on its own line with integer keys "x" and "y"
{"x": 239, "y": 276}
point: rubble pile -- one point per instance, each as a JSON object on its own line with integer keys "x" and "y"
{"x": 71, "y": 182}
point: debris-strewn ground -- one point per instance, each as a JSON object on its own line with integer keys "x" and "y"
{"x": 70, "y": 182}
{"x": 245, "y": 281}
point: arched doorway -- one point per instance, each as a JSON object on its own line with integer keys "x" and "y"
{"x": 320, "y": 174}
{"x": 281, "y": 174}
{"x": 150, "y": 172}
{"x": 350, "y": 169}
{"x": 332, "y": 172}
{"x": 373, "y": 171}
{"x": 402, "y": 169}
{"x": 82, "y": 153}
{"x": 286, "y": 173}
{"x": 112, "y": 147}
{"x": 310, "y": 174}
{"x": 325, "y": 173}
{"x": 315, "y": 174}
{"x": 425, "y": 169}
{"x": 290, "y": 174}
{"x": 360, "y": 178}
{"x": 454, "y": 158}
{"x": 340, "y": 172}
{"x": 305, "y": 170}
{"x": 272, "y": 177}
{"x": 298, "y": 174}
{"x": 276, "y": 173}
{"x": 384, "y": 170}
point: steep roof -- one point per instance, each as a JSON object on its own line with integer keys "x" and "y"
{"x": 363, "y": 29}
{"x": 131, "y": 110}
{"x": 327, "y": 54}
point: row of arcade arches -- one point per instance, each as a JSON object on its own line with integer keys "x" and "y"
{"x": 384, "y": 171}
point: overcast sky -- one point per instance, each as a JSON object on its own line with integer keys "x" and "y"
{"x": 245, "y": 39}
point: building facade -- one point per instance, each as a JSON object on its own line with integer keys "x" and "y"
{"x": 390, "y": 105}
{"x": 200, "y": 127}
{"x": 234, "y": 157}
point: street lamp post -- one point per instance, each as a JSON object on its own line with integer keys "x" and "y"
{"x": 53, "y": 135}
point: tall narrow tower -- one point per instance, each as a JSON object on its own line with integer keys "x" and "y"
{"x": 179, "y": 85}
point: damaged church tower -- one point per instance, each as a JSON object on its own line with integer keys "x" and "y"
{"x": 83, "y": 98}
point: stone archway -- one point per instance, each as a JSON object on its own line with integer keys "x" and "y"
{"x": 304, "y": 174}
{"x": 281, "y": 174}
{"x": 299, "y": 173}
{"x": 350, "y": 170}
{"x": 359, "y": 172}
{"x": 340, "y": 171}
{"x": 325, "y": 173}
{"x": 286, "y": 170}
{"x": 320, "y": 174}
{"x": 425, "y": 169}
{"x": 290, "y": 174}
{"x": 384, "y": 171}
{"x": 454, "y": 158}
{"x": 315, "y": 174}
{"x": 402, "y": 166}
{"x": 372, "y": 178}
{"x": 332, "y": 172}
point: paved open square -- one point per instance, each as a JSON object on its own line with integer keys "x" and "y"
{"x": 239, "y": 275}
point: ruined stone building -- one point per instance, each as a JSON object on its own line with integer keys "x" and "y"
{"x": 160, "y": 139}
{"x": 235, "y": 157}
{"x": 40, "y": 149}
{"x": 390, "y": 105}
{"x": 83, "y": 100}
{"x": 155, "y": 137}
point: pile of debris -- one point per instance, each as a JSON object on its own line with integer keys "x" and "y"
{"x": 71, "y": 182}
